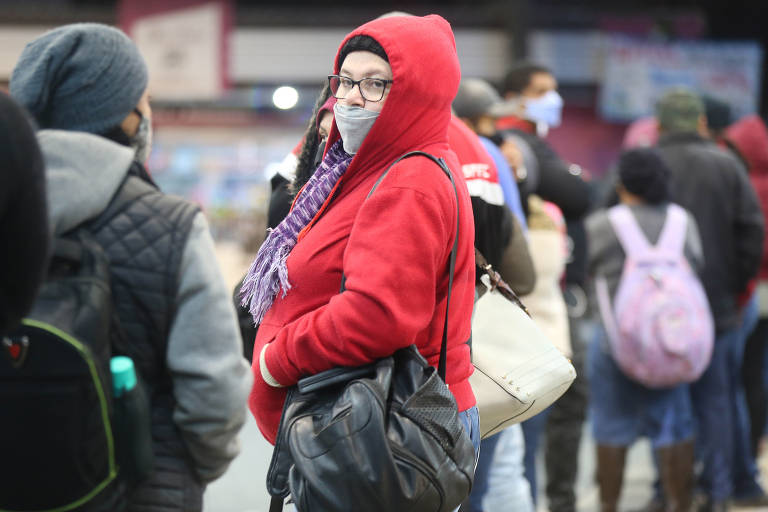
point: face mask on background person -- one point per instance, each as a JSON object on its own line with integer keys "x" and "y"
{"x": 353, "y": 123}
{"x": 545, "y": 110}
{"x": 141, "y": 141}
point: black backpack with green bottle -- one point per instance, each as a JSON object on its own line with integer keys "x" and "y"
{"x": 66, "y": 439}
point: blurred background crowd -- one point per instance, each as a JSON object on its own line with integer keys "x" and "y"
{"x": 234, "y": 82}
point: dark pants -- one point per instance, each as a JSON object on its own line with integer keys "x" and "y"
{"x": 745, "y": 484}
{"x": 564, "y": 428}
{"x": 562, "y": 425}
{"x": 712, "y": 404}
{"x": 753, "y": 373}
{"x": 532, "y": 430}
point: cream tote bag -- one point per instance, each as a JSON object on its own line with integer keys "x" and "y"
{"x": 518, "y": 371}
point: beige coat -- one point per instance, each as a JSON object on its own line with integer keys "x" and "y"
{"x": 547, "y": 244}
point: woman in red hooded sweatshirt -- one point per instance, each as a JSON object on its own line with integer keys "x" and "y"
{"x": 394, "y": 80}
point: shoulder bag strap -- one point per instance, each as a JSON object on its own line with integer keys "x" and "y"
{"x": 441, "y": 367}
{"x": 497, "y": 283}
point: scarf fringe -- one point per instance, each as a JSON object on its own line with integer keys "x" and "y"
{"x": 269, "y": 273}
{"x": 259, "y": 287}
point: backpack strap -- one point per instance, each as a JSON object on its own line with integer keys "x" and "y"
{"x": 631, "y": 237}
{"x": 672, "y": 236}
{"x": 606, "y": 308}
{"x": 633, "y": 241}
{"x": 442, "y": 364}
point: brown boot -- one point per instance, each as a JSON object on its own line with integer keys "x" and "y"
{"x": 610, "y": 474}
{"x": 676, "y": 469}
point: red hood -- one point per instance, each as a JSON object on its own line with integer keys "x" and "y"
{"x": 327, "y": 107}
{"x": 750, "y": 136}
{"x": 417, "y": 109}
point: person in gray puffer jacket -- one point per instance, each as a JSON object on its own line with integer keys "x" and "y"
{"x": 86, "y": 87}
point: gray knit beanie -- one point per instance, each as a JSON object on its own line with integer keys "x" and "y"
{"x": 477, "y": 97}
{"x": 82, "y": 77}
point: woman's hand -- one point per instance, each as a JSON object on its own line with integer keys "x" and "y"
{"x": 265, "y": 401}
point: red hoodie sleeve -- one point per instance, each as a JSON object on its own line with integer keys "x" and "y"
{"x": 397, "y": 248}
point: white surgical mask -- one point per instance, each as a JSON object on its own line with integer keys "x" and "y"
{"x": 141, "y": 142}
{"x": 353, "y": 123}
{"x": 545, "y": 110}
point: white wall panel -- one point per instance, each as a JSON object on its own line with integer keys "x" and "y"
{"x": 306, "y": 55}
{"x": 12, "y": 43}
{"x": 297, "y": 55}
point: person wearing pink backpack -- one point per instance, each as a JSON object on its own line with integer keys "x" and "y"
{"x": 638, "y": 251}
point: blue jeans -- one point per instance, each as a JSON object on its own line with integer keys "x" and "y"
{"x": 713, "y": 406}
{"x": 744, "y": 466}
{"x": 480, "y": 486}
{"x": 499, "y": 476}
{"x": 507, "y": 487}
{"x": 532, "y": 429}
{"x": 471, "y": 421}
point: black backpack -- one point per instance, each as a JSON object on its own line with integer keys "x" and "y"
{"x": 56, "y": 388}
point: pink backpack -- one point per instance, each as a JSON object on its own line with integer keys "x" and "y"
{"x": 660, "y": 327}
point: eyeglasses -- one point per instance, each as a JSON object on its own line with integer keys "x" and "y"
{"x": 371, "y": 89}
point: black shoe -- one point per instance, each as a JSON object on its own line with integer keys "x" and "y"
{"x": 714, "y": 506}
{"x": 656, "y": 504}
{"x": 760, "y": 500}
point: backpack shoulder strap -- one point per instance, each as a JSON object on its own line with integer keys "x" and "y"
{"x": 634, "y": 242}
{"x": 672, "y": 236}
{"x": 442, "y": 365}
{"x": 605, "y": 307}
{"x": 439, "y": 161}
{"x": 631, "y": 237}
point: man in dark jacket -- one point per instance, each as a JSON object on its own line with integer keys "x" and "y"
{"x": 714, "y": 187}
{"x": 533, "y": 89}
{"x": 86, "y": 86}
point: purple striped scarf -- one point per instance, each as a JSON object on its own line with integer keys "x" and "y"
{"x": 268, "y": 273}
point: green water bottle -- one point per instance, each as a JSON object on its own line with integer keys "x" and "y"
{"x": 131, "y": 422}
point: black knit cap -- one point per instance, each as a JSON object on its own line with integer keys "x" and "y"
{"x": 718, "y": 113}
{"x": 643, "y": 173}
{"x": 362, "y": 43}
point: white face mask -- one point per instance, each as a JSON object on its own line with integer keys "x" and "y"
{"x": 546, "y": 110}
{"x": 353, "y": 123}
{"x": 141, "y": 142}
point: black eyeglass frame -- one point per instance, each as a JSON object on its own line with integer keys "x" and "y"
{"x": 359, "y": 88}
